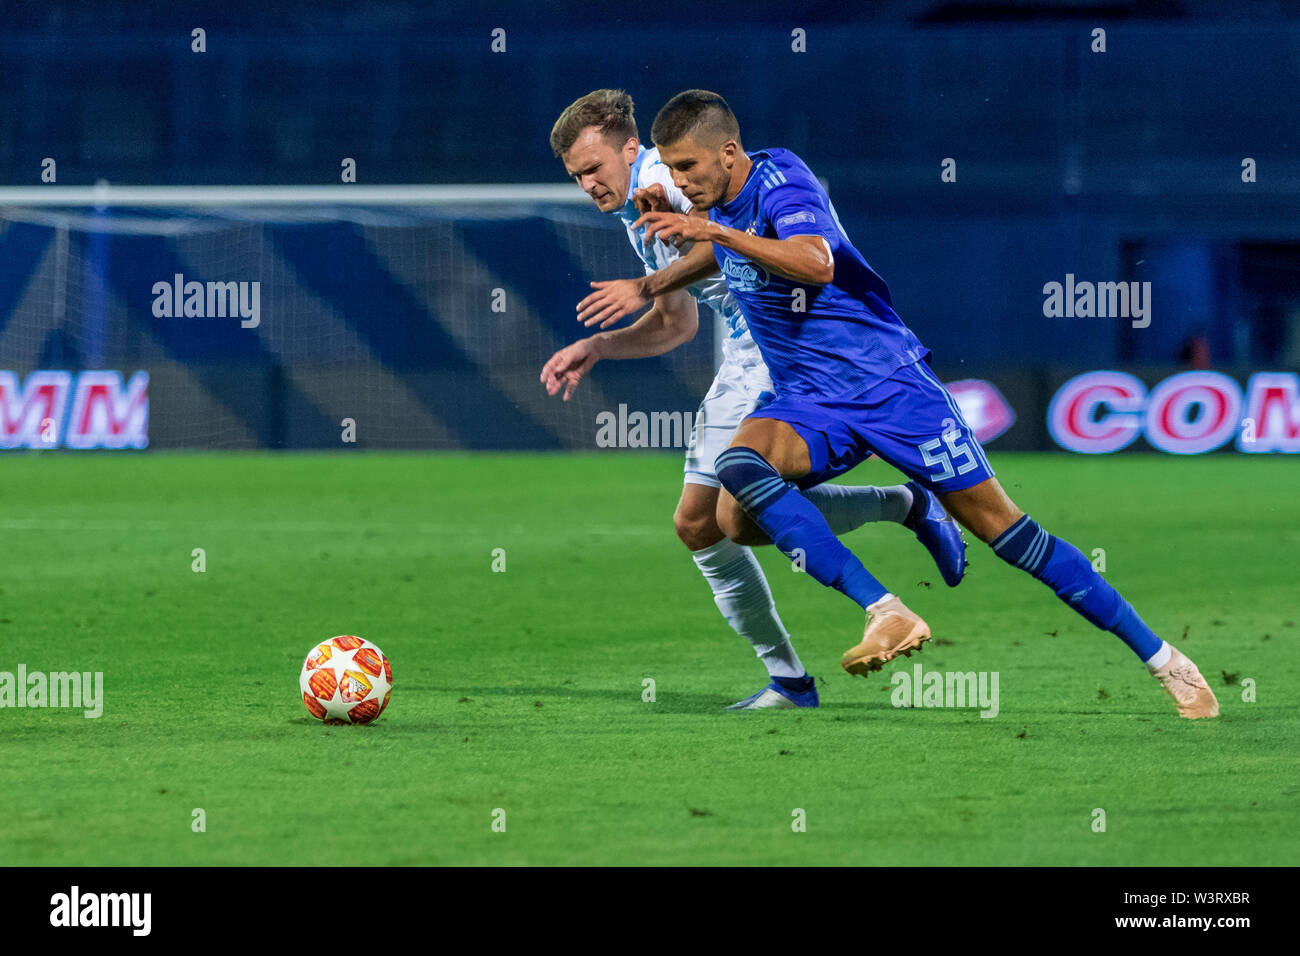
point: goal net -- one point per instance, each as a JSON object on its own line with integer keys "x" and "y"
{"x": 299, "y": 317}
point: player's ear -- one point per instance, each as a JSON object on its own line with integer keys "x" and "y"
{"x": 729, "y": 150}
{"x": 630, "y": 148}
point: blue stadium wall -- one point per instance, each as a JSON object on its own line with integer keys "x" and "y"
{"x": 1117, "y": 166}
{"x": 425, "y": 329}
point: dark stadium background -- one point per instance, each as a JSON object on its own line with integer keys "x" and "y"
{"x": 1115, "y": 166}
{"x": 556, "y": 655}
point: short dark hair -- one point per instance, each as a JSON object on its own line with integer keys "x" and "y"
{"x": 695, "y": 112}
{"x": 609, "y": 110}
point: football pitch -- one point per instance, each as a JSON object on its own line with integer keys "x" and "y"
{"x": 560, "y": 672}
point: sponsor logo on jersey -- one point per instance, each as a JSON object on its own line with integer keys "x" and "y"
{"x": 743, "y": 275}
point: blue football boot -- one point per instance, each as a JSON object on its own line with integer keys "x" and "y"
{"x": 940, "y": 534}
{"x": 781, "y": 694}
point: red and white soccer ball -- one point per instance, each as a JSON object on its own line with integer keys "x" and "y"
{"x": 346, "y": 678}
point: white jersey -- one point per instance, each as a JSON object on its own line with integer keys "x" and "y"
{"x": 648, "y": 169}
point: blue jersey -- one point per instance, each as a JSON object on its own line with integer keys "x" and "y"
{"x": 848, "y": 338}
{"x": 647, "y": 170}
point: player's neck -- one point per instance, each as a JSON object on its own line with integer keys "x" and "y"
{"x": 739, "y": 173}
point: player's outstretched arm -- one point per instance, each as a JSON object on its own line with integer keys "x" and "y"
{"x": 673, "y": 321}
{"x": 694, "y": 266}
{"x": 614, "y": 299}
{"x": 800, "y": 258}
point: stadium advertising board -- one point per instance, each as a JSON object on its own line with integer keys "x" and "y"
{"x": 1185, "y": 414}
{"x": 80, "y": 410}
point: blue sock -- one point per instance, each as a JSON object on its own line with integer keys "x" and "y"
{"x": 1064, "y": 569}
{"x": 794, "y": 523}
{"x": 800, "y": 685}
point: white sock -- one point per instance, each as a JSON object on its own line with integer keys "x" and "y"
{"x": 740, "y": 590}
{"x": 889, "y": 596}
{"x": 1160, "y": 658}
{"x": 846, "y": 507}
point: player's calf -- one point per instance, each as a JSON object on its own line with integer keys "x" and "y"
{"x": 794, "y": 525}
{"x": 736, "y": 579}
{"x": 735, "y": 524}
{"x": 1071, "y": 576}
{"x": 695, "y": 519}
{"x": 1064, "y": 569}
{"x": 848, "y": 507}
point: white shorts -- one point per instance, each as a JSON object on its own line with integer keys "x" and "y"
{"x": 741, "y": 386}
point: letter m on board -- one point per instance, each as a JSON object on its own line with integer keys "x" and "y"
{"x": 32, "y": 416}
{"x": 107, "y": 415}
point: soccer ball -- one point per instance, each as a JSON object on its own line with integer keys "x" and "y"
{"x": 346, "y": 679}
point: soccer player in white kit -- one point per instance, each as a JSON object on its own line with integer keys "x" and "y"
{"x": 596, "y": 139}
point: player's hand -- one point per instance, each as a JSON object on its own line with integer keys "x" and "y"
{"x": 651, "y": 198}
{"x": 566, "y": 367}
{"x": 674, "y": 228}
{"x": 611, "y": 301}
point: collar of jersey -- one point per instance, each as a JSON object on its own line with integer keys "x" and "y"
{"x": 751, "y": 184}
{"x": 629, "y": 212}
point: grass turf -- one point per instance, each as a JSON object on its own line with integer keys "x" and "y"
{"x": 523, "y": 690}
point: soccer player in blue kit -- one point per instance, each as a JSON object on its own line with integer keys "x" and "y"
{"x": 851, "y": 380}
{"x": 596, "y": 139}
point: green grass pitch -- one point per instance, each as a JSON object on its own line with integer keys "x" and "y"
{"x": 522, "y": 690}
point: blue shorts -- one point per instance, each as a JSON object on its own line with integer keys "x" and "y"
{"x": 909, "y": 420}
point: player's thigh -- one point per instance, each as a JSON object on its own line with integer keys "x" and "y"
{"x": 734, "y": 394}
{"x": 985, "y": 509}
{"x": 914, "y": 424}
{"x": 779, "y": 444}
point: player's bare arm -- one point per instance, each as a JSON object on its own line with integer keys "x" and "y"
{"x": 695, "y": 265}
{"x": 617, "y": 298}
{"x": 800, "y": 258}
{"x": 673, "y": 321}
{"x": 612, "y": 300}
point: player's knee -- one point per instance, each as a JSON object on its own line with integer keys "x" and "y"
{"x": 696, "y": 527}
{"x": 777, "y": 443}
{"x": 985, "y": 510}
{"x": 736, "y": 525}
{"x": 990, "y": 523}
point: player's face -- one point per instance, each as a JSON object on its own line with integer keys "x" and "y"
{"x": 601, "y": 169}
{"x": 701, "y": 172}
